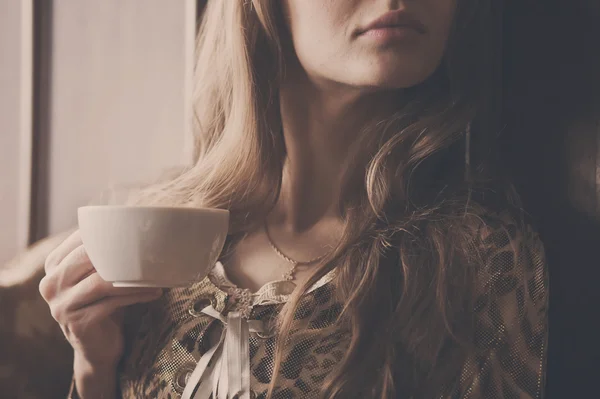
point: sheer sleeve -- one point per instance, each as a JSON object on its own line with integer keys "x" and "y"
{"x": 511, "y": 327}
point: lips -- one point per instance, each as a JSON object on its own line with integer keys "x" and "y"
{"x": 395, "y": 19}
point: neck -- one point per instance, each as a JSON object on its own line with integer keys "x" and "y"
{"x": 322, "y": 124}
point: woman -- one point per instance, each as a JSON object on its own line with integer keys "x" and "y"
{"x": 375, "y": 252}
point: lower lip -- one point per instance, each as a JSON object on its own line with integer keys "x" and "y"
{"x": 396, "y": 33}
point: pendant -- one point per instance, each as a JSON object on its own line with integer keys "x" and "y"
{"x": 289, "y": 275}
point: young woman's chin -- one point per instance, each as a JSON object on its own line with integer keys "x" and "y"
{"x": 386, "y": 75}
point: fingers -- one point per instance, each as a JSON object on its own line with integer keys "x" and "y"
{"x": 93, "y": 292}
{"x": 93, "y": 289}
{"x": 105, "y": 308}
{"x": 61, "y": 252}
{"x": 78, "y": 324}
{"x": 72, "y": 269}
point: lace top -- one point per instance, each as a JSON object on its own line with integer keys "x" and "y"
{"x": 169, "y": 342}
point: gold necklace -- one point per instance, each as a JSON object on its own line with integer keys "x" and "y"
{"x": 289, "y": 275}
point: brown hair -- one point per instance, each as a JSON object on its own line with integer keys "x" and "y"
{"x": 403, "y": 262}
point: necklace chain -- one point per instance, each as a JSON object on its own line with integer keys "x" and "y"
{"x": 289, "y": 275}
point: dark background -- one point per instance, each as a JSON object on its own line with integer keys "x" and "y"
{"x": 551, "y": 140}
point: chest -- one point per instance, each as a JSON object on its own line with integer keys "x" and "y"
{"x": 168, "y": 339}
{"x": 254, "y": 263}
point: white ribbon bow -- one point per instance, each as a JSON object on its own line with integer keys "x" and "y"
{"x": 224, "y": 371}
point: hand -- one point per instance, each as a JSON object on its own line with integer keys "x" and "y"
{"x": 88, "y": 309}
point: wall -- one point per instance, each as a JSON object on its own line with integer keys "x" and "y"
{"x": 118, "y": 89}
{"x": 111, "y": 83}
{"x": 15, "y": 124}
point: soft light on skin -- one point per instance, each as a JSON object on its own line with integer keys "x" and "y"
{"x": 336, "y": 82}
{"x": 338, "y": 78}
{"x": 328, "y": 46}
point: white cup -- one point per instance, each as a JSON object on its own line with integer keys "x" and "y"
{"x": 134, "y": 246}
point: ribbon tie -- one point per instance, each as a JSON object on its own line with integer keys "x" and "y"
{"x": 224, "y": 371}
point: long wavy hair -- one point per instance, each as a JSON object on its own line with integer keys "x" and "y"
{"x": 403, "y": 261}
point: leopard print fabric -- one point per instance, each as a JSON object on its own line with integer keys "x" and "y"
{"x": 147, "y": 373}
{"x": 166, "y": 339}
{"x": 511, "y": 317}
